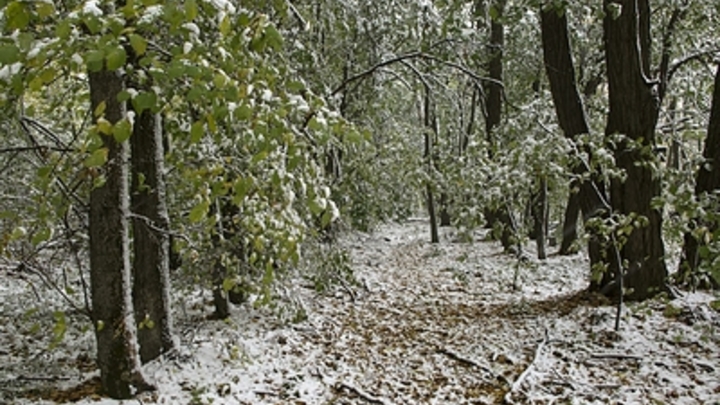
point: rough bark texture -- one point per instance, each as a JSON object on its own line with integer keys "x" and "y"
{"x": 115, "y": 328}
{"x": 570, "y": 219}
{"x": 708, "y": 181}
{"x": 151, "y": 243}
{"x": 560, "y": 70}
{"x": 634, "y": 106}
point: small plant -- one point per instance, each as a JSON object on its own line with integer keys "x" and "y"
{"x": 329, "y": 266}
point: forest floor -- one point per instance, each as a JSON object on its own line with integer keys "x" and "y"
{"x": 451, "y": 323}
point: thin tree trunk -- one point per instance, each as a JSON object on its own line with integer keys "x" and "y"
{"x": 573, "y": 121}
{"x": 708, "y": 181}
{"x": 541, "y": 219}
{"x": 151, "y": 261}
{"x": 634, "y": 106}
{"x": 110, "y": 279}
{"x": 430, "y": 130}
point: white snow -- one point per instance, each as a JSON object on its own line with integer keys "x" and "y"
{"x": 452, "y": 323}
{"x": 91, "y": 8}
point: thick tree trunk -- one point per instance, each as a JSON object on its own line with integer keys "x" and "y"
{"x": 634, "y": 106}
{"x": 708, "y": 181}
{"x": 573, "y": 121}
{"x": 151, "y": 243}
{"x": 113, "y": 318}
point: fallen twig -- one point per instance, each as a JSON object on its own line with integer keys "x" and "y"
{"x": 362, "y": 394}
{"x": 518, "y": 383}
{"x": 463, "y": 360}
{"x": 618, "y": 356}
{"x": 41, "y": 378}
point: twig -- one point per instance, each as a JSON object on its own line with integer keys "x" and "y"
{"x": 40, "y": 378}
{"x": 362, "y": 394}
{"x": 463, "y": 360}
{"x": 516, "y": 385}
{"x": 618, "y": 356}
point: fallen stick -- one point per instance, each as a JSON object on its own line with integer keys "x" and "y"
{"x": 362, "y": 394}
{"x": 41, "y": 378}
{"x": 518, "y": 383}
{"x": 618, "y": 356}
{"x": 463, "y": 360}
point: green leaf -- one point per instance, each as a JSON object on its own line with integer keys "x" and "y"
{"x": 191, "y": 10}
{"x": 97, "y": 158}
{"x": 122, "y": 130}
{"x": 45, "y": 9}
{"x": 9, "y": 53}
{"x": 243, "y": 113}
{"x": 262, "y": 155}
{"x": 196, "y": 131}
{"x": 104, "y": 126}
{"x": 138, "y": 43}
{"x": 17, "y": 15}
{"x": 42, "y": 235}
{"x": 144, "y": 100}
{"x": 273, "y": 38}
{"x": 93, "y": 24}
{"x": 314, "y": 124}
{"x": 241, "y": 188}
{"x": 94, "y": 60}
{"x": 100, "y": 109}
{"x": 225, "y": 25}
{"x": 228, "y": 284}
{"x": 494, "y": 13}
{"x": 116, "y": 58}
{"x": 199, "y": 212}
{"x": 63, "y": 29}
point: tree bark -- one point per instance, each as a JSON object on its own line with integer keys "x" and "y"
{"x": 707, "y": 182}
{"x": 151, "y": 243}
{"x": 572, "y": 119}
{"x": 634, "y": 105}
{"x": 110, "y": 280}
{"x": 540, "y": 216}
{"x": 570, "y": 220}
{"x": 430, "y": 131}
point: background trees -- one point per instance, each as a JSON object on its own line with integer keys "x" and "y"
{"x": 285, "y": 118}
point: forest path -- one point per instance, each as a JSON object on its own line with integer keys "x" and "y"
{"x": 442, "y": 324}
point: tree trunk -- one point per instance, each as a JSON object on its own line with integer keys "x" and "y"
{"x": 540, "y": 216}
{"x": 569, "y": 229}
{"x": 444, "y": 213}
{"x": 110, "y": 280}
{"x": 430, "y": 130}
{"x": 498, "y": 219}
{"x": 151, "y": 243}
{"x": 573, "y": 121}
{"x": 708, "y": 181}
{"x": 634, "y": 106}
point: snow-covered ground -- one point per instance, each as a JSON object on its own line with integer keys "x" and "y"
{"x": 452, "y": 323}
